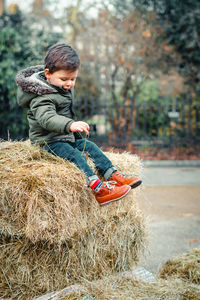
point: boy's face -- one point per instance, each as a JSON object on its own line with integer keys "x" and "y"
{"x": 64, "y": 78}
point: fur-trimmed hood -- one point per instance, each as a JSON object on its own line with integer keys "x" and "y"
{"x": 31, "y": 83}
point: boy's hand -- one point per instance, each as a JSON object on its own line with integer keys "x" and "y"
{"x": 80, "y": 126}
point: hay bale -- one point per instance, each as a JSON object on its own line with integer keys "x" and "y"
{"x": 46, "y": 198}
{"x": 131, "y": 285}
{"x": 185, "y": 266}
{"x": 128, "y": 289}
{"x": 52, "y": 231}
{"x": 30, "y": 270}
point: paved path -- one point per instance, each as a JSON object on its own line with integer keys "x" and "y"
{"x": 171, "y": 176}
{"x": 170, "y": 199}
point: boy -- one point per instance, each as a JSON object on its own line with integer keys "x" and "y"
{"x": 47, "y": 92}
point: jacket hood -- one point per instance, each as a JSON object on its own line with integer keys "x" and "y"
{"x": 31, "y": 83}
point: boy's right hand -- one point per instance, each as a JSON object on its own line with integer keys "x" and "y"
{"x": 80, "y": 126}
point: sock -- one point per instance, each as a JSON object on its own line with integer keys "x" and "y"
{"x": 112, "y": 174}
{"x": 96, "y": 185}
{"x": 109, "y": 172}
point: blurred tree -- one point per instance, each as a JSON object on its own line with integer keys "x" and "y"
{"x": 87, "y": 92}
{"x": 38, "y": 7}
{"x": 123, "y": 54}
{"x": 74, "y": 22}
{"x": 20, "y": 47}
{"x": 181, "y": 23}
{"x": 13, "y": 8}
{"x": 74, "y": 17}
{"x": 127, "y": 52}
{"x": 2, "y": 6}
{"x": 14, "y": 53}
{"x": 183, "y": 31}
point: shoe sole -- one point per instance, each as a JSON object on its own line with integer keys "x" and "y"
{"x": 108, "y": 202}
{"x": 135, "y": 184}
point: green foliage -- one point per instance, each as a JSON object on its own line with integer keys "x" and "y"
{"x": 10, "y": 51}
{"x": 149, "y": 92}
{"x": 144, "y": 91}
{"x": 183, "y": 31}
{"x": 20, "y": 47}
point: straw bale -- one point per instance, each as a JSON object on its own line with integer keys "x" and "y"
{"x": 32, "y": 269}
{"x": 126, "y": 162}
{"x": 128, "y": 289}
{"x": 46, "y": 198}
{"x": 185, "y": 266}
{"x": 52, "y": 231}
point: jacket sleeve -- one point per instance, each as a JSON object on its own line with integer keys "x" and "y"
{"x": 44, "y": 111}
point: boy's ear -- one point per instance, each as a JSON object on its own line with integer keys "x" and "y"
{"x": 47, "y": 73}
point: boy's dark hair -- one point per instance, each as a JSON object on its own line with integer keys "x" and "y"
{"x": 61, "y": 56}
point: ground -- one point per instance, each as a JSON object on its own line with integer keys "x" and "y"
{"x": 170, "y": 199}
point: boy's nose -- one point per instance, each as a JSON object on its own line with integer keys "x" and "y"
{"x": 69, "y": 83}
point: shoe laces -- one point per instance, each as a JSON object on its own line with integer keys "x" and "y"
{"x": 109, "y": 184}
{"x": 121, "y": 174}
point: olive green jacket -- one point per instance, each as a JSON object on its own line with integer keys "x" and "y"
{"x": 50, "y": 112}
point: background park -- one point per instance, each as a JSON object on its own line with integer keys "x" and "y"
{"x": 139, "y": 89}
{"x": 139, "y": 82}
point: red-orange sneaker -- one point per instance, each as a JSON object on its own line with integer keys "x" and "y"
{"x": 122, "y": 179}
{"x": 109, "y": 192}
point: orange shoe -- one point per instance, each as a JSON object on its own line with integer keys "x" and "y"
{"x": 109, "y": 192}
{"x": 121, "y": 179}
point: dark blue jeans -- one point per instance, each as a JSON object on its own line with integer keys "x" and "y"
{"x": 74, "y": 152}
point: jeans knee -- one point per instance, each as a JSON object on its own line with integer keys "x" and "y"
{"x": 75, "y": 155}
{"x": 90, "y": 146}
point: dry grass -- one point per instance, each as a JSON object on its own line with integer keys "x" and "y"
{"x": 128, "y": 289}
{"x": 180, "y": 278}
{"x": 46, "y": 198}
{"x": 33, "y": 269}
{"x": 186, "y": 267}
{"x": 52, "y": 231}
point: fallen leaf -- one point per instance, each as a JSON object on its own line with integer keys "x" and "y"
{"x": 146, "y": 33}
{"x": 193, "y": 240}
{"x": 186, "y": 214}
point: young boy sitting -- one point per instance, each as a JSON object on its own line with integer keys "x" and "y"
{"x": 47, "y": 92}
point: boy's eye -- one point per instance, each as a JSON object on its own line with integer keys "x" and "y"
{"x": 65, "y": 79}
